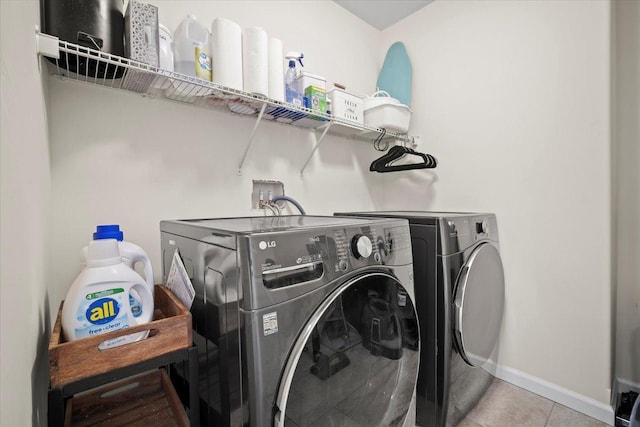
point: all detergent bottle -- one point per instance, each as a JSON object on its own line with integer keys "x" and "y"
{"x": 131, "y": 255}
{"x": 98, "y": 299}
{"x": 130, "y": 252}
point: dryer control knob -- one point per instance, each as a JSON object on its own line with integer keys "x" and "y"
{"x": 361, "y": 246}
{"x": 482, "y": 227}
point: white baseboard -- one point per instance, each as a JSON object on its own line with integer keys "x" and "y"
{"x": 586, "y": 405}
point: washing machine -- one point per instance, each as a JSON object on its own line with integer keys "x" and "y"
{"x": 459, "y": 287}
{"x": 301, "y": 320}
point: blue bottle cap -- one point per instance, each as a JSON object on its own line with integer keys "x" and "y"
{"x": 111, "y": 231}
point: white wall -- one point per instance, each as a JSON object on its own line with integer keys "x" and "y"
{"x": 513, "y": 99}
{"x": 120, "y": 158}
{"x": 24, "y": 218}
{"x": 627, "y": 179}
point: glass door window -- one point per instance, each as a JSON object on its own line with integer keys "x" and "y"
{"x": 356, "y": 362}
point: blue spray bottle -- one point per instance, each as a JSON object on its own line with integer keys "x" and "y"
{"x": 292, "y": 92}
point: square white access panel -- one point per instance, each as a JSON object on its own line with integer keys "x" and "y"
{"x": 265, "y": 186}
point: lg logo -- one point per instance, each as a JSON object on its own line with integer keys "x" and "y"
{"x": 264, "y": 245}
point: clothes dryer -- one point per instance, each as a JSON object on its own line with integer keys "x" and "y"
{"x": 301, "y": 320}
{"x": 459, "y": 287}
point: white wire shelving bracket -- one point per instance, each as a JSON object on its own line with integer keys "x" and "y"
{"x": 315, "y": 148}
{"x": 79, "y": 63}
{"x": 251, "y": 138}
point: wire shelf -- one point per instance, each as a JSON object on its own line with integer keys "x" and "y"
{"x": 80, "y": 63}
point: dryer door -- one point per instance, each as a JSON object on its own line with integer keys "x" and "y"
{"x": 355, "y": 361}
{"x": 479, "y": 304}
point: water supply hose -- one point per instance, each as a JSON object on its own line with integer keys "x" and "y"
{"x": 290, "y": 200}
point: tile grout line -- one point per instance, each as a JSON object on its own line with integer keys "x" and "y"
{"x": 549, "y": 415}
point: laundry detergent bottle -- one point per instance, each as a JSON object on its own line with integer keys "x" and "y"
{"x": 130, "y": 253}
{"x": 98, "y": 300}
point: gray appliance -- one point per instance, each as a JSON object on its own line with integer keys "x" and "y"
{"x": 301, "y": 320}
{"x": 459, "y": 286}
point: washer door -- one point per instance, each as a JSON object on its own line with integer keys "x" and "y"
{"x": 479, "y": 305}
{"x": 355, "y": 361}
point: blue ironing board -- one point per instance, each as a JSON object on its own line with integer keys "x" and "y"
{"x": 396, "y": 74}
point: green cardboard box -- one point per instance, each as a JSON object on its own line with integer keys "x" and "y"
{"x": 315, "y": 99}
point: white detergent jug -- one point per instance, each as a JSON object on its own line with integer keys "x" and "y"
{"x": 98, "y": 299}
{"x": 130, "y": 252}
{"x": 191, "y": 49}
{"x": 131, "y": 255}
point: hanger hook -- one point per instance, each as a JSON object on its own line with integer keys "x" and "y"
{"x": 377, "y": 144}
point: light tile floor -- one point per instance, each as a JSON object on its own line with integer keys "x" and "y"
{"x": 507, "y": 405}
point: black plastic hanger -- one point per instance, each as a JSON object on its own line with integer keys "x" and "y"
{"x": 382, "y": 164}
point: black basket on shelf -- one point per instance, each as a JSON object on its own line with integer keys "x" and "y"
{"x": 94, "y": 24}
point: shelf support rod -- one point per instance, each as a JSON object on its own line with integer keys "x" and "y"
{"x": 253, "y": 134}
{"x": 319, "y": 141}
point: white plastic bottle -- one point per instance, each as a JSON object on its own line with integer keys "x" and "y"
{"x": 192, "y": 49}
{"x": 166, "y": 48}
{"x": 131, "y": 255}
{"x": 166, "y": 56}
{"x": 98, "y": 299}
{"x": 130, "y": 252}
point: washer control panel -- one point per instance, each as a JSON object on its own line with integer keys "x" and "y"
{"x": 283, "y": 260}
{"x": 370, "y": 246}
